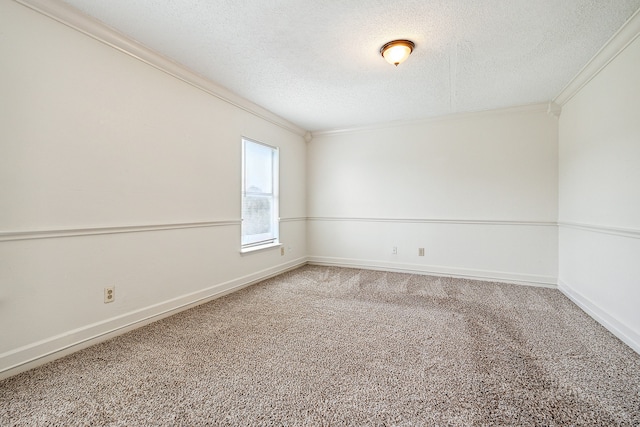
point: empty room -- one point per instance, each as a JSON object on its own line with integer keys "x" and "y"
{"x": 320, "y": 213}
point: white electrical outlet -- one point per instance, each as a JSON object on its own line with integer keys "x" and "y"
{"x": 420, "y": 251}
{"x": 109, "y": 294}
{"x": 394, "y": 250}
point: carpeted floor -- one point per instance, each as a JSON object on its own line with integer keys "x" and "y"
{"x": 329, "y": 346}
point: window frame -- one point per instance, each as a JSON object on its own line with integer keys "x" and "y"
{"x": 270, "y": 239}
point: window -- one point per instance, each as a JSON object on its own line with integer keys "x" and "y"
{"x": 259, "y": 195}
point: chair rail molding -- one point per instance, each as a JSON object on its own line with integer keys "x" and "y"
{"x": 633, "y": 233}
{"x": 438, "y": 221}
{"x": 91, "y": 231}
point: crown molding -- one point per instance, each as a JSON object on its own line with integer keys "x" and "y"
{"x": 554, "y": 110}
{"x": 629, "y": 31}
{"x": 73, "y": 18}
{"x": 530, "y": 108}
{"x": 308, "y": 137}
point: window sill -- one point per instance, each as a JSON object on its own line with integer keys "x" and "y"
{"x": 260, "y": 248}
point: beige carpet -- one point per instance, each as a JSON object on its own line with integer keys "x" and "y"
{"x": 329, "y": 346}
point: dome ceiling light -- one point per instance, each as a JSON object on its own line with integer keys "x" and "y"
{"x": 396, "y": 51}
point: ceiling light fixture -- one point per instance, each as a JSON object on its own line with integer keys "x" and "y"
{"x": 396, "y": 51}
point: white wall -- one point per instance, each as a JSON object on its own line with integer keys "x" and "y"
{"x": 114, "y": 173}
{"x": 478, "y": 192}
{"x": 599, "y": 208}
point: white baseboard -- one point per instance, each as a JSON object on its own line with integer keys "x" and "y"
{"x": 484, "y": 275}
{"x": 617, "y": 328}
{"x": 27, "y": 357}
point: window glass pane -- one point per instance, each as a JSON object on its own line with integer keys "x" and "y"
{"x": 256, "y": 214}
{"x": 259, "y": 196}
{"x": 258, "y": 168}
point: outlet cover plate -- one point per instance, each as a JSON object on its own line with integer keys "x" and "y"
{"x": 109, "y": 294}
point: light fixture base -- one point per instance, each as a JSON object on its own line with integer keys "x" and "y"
{"x": 397, "y": 51}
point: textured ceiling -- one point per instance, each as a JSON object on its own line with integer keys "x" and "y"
{"x": 317, "y": 63}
